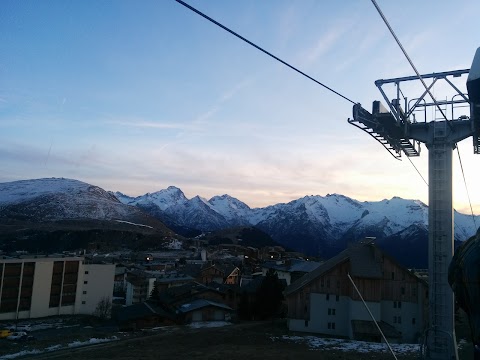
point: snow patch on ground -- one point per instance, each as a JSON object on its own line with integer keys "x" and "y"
{"x": 74, "y": 344}
{"x": 209, "y": 324}
{"x": 21, "y": 353}
{"x": 130, "y": 223}
{"x": 349, "y": 345}
{"x": 91, "y": 341}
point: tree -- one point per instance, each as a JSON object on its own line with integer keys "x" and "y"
{"x": 155, "y": 293}
{"x": 269, "y": 296}
{"x": 104, "y": 308}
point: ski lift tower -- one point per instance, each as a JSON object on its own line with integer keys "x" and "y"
{"x": 401, "y": 128}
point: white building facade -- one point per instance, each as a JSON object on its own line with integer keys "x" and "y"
{"x": 49, "y": 286}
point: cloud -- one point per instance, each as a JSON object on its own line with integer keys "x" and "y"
{"x": 227, "y": 95}
{"x": 324, "y": 44}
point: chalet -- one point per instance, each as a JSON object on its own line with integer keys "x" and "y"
{"x": 204, "y": 310}
{"x": 143, "y": 316}
{"x": 222, "y": 274}
{"x": 324, "y": 300}
{"x": 290, "y": 269}
{"x": 195, "y": 302}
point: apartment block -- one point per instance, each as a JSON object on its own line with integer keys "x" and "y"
{"x": 33, "y": 287}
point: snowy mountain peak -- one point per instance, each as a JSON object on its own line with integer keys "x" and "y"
{"x": 58, "y": 199}
{"x": 199, "y": 199}
{"x": 161, "y": 199}
{"x": 25, "y": 190}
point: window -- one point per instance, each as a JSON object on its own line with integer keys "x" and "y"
{"x": 337, "y": 298}
{"x": 329, "y": 325}
{"x": 329, "y": 311}
{"x": 394, "y": 304}
{"x": 328, "y": 297}
{"x": 333, "y": 311}
{"x": 84, "y": 292}
{"x": 414, "y": 291}
{"x": 399, "y": 319}
{"x": 399, "y": 304}
{"x": 333, "y": 326}
{"x": 393, "y": 275}
{"x": 306, "y": 323}
{"x": 85, "y": 282}
{"x": 328, "y": 283}
{"x": 86, "y": 272}
{"x": 413, "y": 321}
{"x": 402, "y": 290}
{"x": 84, "y": 302}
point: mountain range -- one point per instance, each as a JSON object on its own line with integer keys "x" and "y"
{"x": 315, "y": 225}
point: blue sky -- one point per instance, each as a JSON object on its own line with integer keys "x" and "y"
{"x": 136, "y": 96}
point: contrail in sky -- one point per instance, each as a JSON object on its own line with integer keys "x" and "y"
{"x": 48, "y": 155}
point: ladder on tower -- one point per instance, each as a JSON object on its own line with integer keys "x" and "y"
{"x": 440, "y": 341}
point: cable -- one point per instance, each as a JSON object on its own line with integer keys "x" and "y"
{"x": 301, "y": 72}
{"x": 409, "y": 60}
{"x": 262, "y": 50}
{"x": 466, "y": 188}
{"x": 425, "y": 181}
{"x": 431, "y": 95}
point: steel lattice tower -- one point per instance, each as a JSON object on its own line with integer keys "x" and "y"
{"x": 398, "y": 130}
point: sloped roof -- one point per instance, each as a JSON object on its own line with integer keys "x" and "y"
{"x": 295, "y": 265}
{"x": 362, "y": 264}
{"x": 189, "y": 290}
{"x": 141, "y": 310}
{"x": 201, "y": 303}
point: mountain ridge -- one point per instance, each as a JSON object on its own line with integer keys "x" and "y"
{"x": 315, "y": 225}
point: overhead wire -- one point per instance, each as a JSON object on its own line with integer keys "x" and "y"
{"x": 409, "y": 60}
{"x": 322, "y": 84}
{"x": 284, "y": 62}
{"x": 431, "y": 95}
{"x": 466, "y": 188}
{"x": 261, "y": 49}
{"x": 425, "y": 181}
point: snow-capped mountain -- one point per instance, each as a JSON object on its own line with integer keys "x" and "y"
{"x": 56, "y": 199}
{"x": 319, "y": 225}
{"x": 315, "y": 225}
{"x": 162, "y": 199}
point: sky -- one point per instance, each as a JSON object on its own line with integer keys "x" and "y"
{"x": 137, "y": 96}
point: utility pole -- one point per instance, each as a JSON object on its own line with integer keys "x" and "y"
{"x": 399, "y": 131}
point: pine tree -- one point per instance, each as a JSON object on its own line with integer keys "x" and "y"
{"x": 155, "y": 294}
{"x": 269, "y": 296}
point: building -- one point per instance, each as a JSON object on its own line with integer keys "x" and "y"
{"x": 290, "y": 269}
{"x": 139, "y": 287}
{"x": 32, "y": 287}
{"x": 205, "y": 310}
{"x": 140, "y": 284}
{"x": 222, "y": 274}
{"x": 325, "y": 301}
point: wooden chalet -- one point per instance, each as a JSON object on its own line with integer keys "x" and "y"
{"x": 324, "y": 300}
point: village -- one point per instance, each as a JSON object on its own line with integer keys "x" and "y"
{"x": 197, "y": 283}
